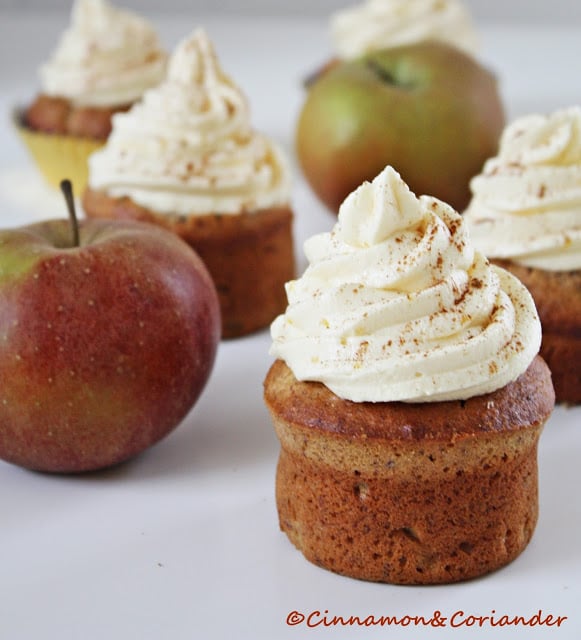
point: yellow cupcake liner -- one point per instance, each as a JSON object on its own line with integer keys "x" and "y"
{"x": 58, "y": 157}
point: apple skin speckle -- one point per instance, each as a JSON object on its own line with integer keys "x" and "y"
{"x": 106, "y": 347}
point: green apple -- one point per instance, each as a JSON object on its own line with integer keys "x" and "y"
{"x": 429, "y": 110}
{"x": 108, "y": 335}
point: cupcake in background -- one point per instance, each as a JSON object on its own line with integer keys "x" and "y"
{"x": 102, "y": 64}
{"x": 187, "y": 158}
{"x": 374, "y": 25}
{"x": 378, "y": 24}
{"x": 525, "y": 215}
{"x": 407, "y": 395}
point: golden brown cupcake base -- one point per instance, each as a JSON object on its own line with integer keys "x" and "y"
{"x": 408, "y": 493}
{"x": 57, "y": 156}
{"x": 250, "y": 256}
{"x": 59, "y": 116}
{"x": 557, "y": 295}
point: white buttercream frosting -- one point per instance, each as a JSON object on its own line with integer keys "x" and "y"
{"x": 397, "y": 305}
{"x": 526, "y": 203}
{"x": 189, "y": 148}
{"x": 106, "y": 58}
{"x": 379, "y": 24}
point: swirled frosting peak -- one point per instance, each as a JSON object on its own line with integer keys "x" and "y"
{"x": 378, "y": 24}
{"x": 107, "y": 57}
{"x": 526, "y": 203}
{"x": 188, "y": 147}
{"x": 396, "y": 305}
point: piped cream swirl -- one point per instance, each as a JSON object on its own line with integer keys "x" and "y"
{"x": 526, "y": 203}
{"x": 106, "y": 58}
{"x": 189, "y": 148}
{"x": 378, "y": 24}
{"x": 397, "y": 305}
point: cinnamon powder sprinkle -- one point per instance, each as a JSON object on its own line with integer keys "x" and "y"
{"x": 542, "y": 191}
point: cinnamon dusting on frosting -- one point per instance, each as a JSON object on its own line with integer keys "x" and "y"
{"x": 431, "y": 317}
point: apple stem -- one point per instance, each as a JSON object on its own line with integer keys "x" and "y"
{"x": 380, "y": 72}
{"x": 67, "y": 189}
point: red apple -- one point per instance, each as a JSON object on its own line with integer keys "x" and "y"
{"x": 429, "y": 110}
{"x": 105, "y": 343}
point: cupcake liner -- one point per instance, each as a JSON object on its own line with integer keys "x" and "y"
{"x": 58, "y": 156}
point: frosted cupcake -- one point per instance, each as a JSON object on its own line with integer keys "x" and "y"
{"x": 408, "y": 397}
{"x": 102, "y": 64}
{"x": 379, "y": 24}
{"x": 374, "y": 25}
{"x": 188, "y": 159}
{"x": 525, "y": 215}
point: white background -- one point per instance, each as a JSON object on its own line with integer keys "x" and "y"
{"x": 514, "y": 10}
{"x": 182, "y": 543}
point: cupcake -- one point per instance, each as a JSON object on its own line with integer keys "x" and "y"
{"x": 103, "y": 63}
{"x": 374, "y": 25}
{"x": 525, "y": 215}
{"x": 378, "y": 24}
{"x": 188, "y": 159}
{"x": 408, "y": 397}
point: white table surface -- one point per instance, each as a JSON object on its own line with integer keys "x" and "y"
{"x": 182, "y": 543}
